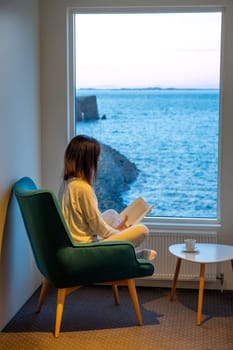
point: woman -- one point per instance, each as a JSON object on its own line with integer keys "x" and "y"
{"x": 79, "y": 203}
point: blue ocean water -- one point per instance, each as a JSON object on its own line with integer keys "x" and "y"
{"x": 172, "y": 137}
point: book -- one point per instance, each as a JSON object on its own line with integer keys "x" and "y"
{"x": 136, "y": 211}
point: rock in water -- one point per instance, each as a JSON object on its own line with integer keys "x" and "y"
{"x": 86, "y": 108}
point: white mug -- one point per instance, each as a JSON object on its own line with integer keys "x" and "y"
{"x": 190, "y": 244}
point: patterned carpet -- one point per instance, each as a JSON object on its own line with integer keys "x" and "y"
{"x": 91, "y": 321}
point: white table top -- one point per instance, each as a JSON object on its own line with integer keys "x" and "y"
{"x": 205, "y": 253}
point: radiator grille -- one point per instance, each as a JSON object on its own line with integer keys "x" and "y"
{"x": 165, "y": 262}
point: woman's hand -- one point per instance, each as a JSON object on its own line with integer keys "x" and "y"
{"x": 123, "y": 225}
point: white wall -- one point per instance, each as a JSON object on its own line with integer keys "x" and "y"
{"x": 19, "y": 146}
{"x": 54, "y": 96}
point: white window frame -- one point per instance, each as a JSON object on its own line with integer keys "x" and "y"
{"x": 152, "y": 222}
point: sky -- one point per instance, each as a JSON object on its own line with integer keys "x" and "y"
{"x": 180, "y": 50}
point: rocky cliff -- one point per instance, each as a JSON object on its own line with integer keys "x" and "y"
{"x": 115, "y": 174}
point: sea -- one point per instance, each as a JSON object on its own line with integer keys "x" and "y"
{"x": 172, "y": 135}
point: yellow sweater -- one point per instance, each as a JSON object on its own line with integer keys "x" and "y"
{"x": 80, "y": 208}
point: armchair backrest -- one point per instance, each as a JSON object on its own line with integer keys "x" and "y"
{"x": 45, "y": 225}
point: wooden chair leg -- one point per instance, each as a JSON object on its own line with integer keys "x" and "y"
{"x": 116, "y": 293}
{"x": 43, "y": 293}
{"x": 134, "y": 298}
{"x": 61, "y": 294}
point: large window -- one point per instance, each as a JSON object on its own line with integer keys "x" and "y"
{"x": 147, "y": 86}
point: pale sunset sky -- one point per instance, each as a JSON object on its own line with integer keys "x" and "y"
{"x": 172, "y": 50}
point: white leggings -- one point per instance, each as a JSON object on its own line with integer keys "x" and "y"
{"x": 135, "y": 233}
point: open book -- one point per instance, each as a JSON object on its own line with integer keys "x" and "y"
{"x": 136, "y": 211}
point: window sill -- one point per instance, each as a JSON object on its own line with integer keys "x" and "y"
{"x": 178, "y": 224}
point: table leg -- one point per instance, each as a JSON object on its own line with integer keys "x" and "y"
{"x": 200, "y": 295}
{"x": 178, "y": 263}
{"x": 232, "y": 263}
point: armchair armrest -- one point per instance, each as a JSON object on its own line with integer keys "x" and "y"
{"x": 87, "y": 263}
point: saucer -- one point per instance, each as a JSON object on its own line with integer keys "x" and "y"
{"x": 195, "y": 250}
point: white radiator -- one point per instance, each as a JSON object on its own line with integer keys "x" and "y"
{"x": 165, "y": 262}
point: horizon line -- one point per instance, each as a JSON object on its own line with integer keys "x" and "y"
{"x": 148, "y": 88}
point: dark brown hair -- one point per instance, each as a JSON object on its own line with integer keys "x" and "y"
{"x": 81, "y": 158}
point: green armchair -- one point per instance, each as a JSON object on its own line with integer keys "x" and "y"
{"x": 67, "y": 265}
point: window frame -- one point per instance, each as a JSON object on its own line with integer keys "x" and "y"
{"x": 152, "y": 222}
